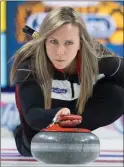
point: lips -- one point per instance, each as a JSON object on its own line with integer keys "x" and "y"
{"x": 60, "y": 60}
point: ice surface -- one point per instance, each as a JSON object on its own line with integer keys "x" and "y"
{"x": 111, "y": 155}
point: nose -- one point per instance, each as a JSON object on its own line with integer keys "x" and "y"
{"x": 60, "y": 51}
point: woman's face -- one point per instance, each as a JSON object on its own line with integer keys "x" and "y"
{"x": 62, "y": 45}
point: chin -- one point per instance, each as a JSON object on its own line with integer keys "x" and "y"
{"x": 60, "y": 67}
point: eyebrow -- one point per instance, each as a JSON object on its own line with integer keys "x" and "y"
{"x": 65, "y": 40}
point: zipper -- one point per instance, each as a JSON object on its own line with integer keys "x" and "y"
{"x": 72, "y": 86}
{"x": 72, "y": 89}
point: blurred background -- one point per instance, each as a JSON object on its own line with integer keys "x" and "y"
{"x": 104, "y": 22}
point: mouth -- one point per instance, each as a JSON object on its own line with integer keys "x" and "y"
{"x": 60, "y": 60}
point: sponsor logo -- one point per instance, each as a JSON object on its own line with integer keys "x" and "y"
{"x": 34, "y": 21}
{"x": 99, "y": 26}
{"x": 59, "y": 91}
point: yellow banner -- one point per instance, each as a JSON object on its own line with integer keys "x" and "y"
{"x": 3, "y": 16}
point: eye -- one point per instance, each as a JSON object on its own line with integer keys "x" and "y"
{"x": 53, "y": 41}
{"x": 69, "y": 43}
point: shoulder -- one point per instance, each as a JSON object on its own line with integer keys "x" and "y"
{"x": 111, "y": 65}
{"x": 25, "y": 65}
{"x": 25, "y": 71}
{"x": 113, "y": 61}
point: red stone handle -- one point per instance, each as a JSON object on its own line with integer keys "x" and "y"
{"x": 69, "y": 120}
{"x": 65, "y": 128}
{"x": 70, "y": 117}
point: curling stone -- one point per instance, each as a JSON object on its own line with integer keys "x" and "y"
{"x": 59, "y": 145}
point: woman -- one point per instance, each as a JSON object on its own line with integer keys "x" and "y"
{"x": 63, "y": 72}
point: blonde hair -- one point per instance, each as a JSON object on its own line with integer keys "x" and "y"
{"x": 43, "y": 67}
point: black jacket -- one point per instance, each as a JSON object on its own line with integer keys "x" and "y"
{"x": 65, "y": 91}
